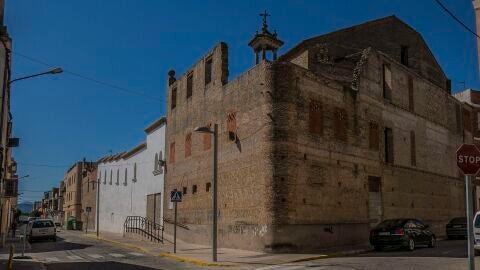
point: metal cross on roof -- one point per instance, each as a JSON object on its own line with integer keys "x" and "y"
{"x": 264, "y": 15}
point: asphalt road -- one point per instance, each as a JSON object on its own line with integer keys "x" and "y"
{"x": 74, "y": 252}
{"x": 447, "y": 255}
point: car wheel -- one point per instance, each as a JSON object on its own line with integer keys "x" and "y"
{"x": 411, "y": 244}
{"x": 377, "y": 248}
{"x": 54, "y": 239}
{"x": 432, "y": 242}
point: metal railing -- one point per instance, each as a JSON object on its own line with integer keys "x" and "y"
{"x": 143, "y": 227}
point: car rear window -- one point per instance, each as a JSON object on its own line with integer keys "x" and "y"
{"x": 459, "y": 220}
{"x": 477, "y": 221}
{"x": 392, "y": 223}
{"x": 42, "y": 224}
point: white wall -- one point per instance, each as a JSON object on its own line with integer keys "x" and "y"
{"x": 119, "y": 201}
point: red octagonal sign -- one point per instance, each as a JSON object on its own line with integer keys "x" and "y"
{"x": 468, "y": 159}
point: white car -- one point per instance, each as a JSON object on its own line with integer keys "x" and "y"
{"x": 41, "y": 229}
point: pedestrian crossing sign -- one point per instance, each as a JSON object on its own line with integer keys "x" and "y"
{"x": 176, "y": 196}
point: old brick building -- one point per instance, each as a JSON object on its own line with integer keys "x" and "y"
{"x": 72, "y": 194}
{"x": 89, "y": 195}
{"x": 342, "y": 131}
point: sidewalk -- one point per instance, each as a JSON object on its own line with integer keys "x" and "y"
{"x": 201, "y": 255}
{"x": 17, "y": 243}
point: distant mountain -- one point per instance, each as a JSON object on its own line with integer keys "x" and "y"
{"x": 25, "y": 207}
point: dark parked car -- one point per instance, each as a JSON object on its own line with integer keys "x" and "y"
{"x": 406, "y": 233}
{"x": 457, "y": 228}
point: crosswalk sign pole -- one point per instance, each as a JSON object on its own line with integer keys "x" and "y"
{"x": 175, "y": 230}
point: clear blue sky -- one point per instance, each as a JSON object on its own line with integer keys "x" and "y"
{"x": 133, "y": 43}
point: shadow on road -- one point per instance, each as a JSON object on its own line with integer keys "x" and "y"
{"x": 446, "y": 248}
{"x": 96, "y": 266}
{"x": 48, "y": 246}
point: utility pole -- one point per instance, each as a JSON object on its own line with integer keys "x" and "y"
{"x": 476, "y": 7}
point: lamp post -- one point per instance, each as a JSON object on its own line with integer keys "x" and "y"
{"x": 50, "y": 72}
{"x": 214, "y": 184}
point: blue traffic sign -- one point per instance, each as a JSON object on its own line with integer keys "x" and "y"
{"x": 176, "y": 196}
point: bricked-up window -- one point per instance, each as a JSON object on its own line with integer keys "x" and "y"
{"x": 207, "y": 138}
{"x": 404, "y": 55}
{"x": 373, "y": 136}
{"x": 315, "y": 120}
{"x": 458, "y": 117}
{"x": 387, "y": 82}
{"x": 174, "y": 99}
{"x": 208, "y": 70}
{"x": 411, "y": 104}
{"x": 413, "y": 150}
{"x": 194, "y": 189}
{"x": 189, "y": 85}
{"x": 340, "y": 124}
{"x": 188, "y": 144}
{"x": 208, "y": 186}
{"x": 232, "y": 126}
{"x": 467, "y": 121}
{"x": 388, "y": 145}
{"x": 172, "y": 152}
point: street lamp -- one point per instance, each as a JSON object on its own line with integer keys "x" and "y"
{"x": 25, "y": 176}
{"x": 52, "y": 72}
{"x": 214, "y": 184}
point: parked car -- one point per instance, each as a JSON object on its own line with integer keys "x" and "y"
{"x": 405, "y": 233}
{"x": 41, "y": 229}
{"x": 476, "y": 233}
{"x": 457, "y": 228}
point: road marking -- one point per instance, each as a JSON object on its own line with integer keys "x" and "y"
{"x": 116, "y": 255}
{"x": 74, "y": 257}
{"x": 95, "y": 256}
{"x": 136, "y": 254}
{"x": 52, "y": 259}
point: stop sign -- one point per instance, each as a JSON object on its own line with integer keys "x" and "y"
{"x": 468, "y": 159}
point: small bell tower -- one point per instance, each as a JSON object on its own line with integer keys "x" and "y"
{"x": 265, "y": 41}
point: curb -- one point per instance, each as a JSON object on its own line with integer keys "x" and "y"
{"x": 331, "y": 255}
{"x": 192, "y": 261}
{"x": 163, "y": 254}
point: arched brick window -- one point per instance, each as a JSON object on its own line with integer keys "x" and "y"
{"x": 232, "y": 126}
{"x": 315, "y": 120}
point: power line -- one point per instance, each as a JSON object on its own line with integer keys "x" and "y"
{"x": 456, "y": 19}
{"x": 43, "y": 165}
{"x": 107, "y": 84}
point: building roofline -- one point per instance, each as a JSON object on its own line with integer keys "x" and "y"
{"x": 134, "y": 150}
{"x": 157, "y": 123}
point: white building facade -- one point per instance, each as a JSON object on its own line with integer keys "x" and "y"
{"x": 132, "y": 182}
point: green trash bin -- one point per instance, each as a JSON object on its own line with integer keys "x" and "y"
{"x": 71, "y": 223}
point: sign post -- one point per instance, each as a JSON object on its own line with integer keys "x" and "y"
{"x": 468, "y": 161}
{"x": 175, "y": 197}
